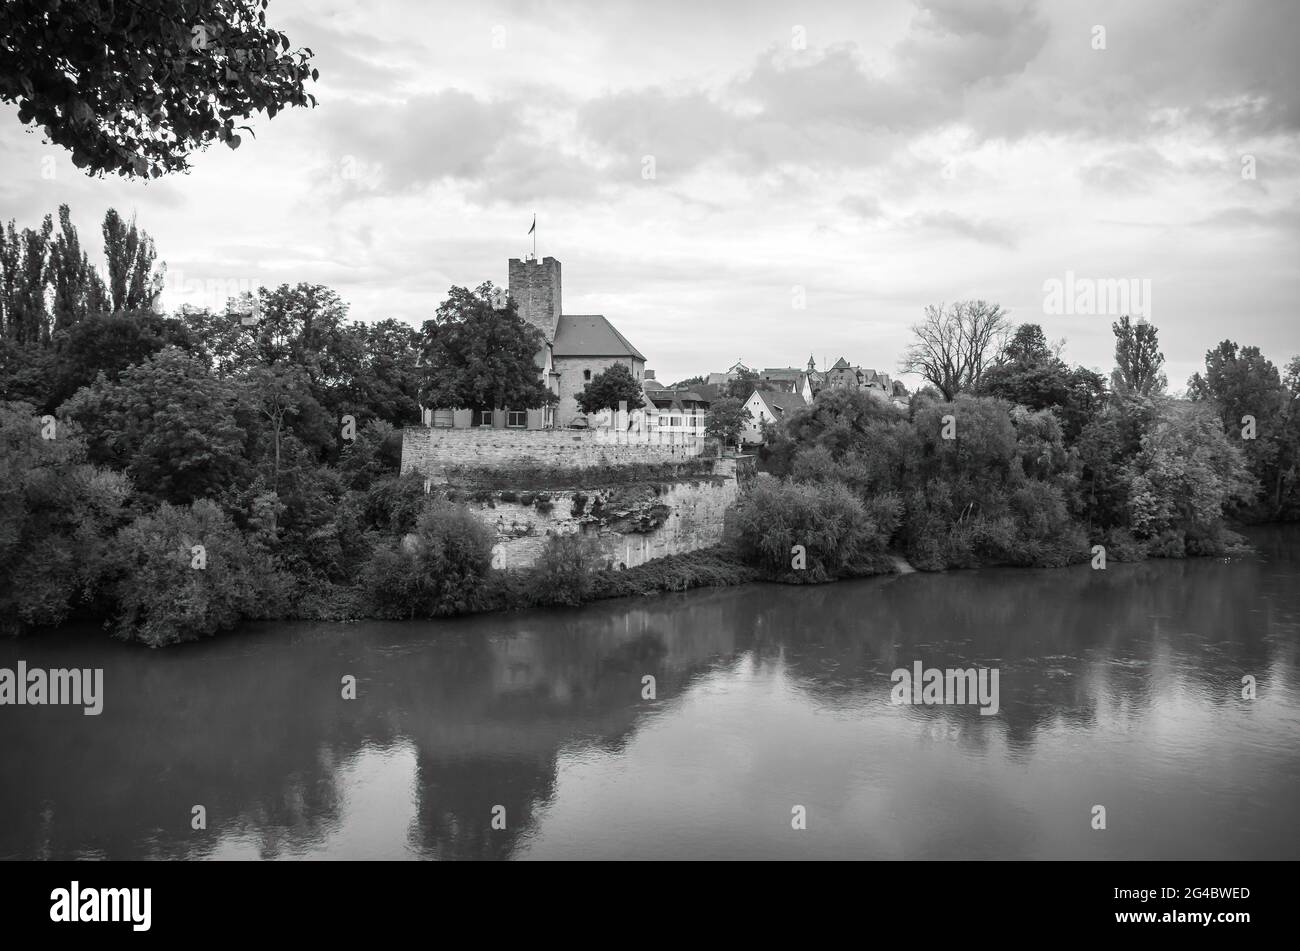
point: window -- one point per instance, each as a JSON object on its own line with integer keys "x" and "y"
{"x": 516, "y": 418}
{"x": 485, "y": 417}
{"x": 586, "y": 374}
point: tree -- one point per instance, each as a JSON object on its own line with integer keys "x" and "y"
{"x": 79, "y": 291}
{"x": 177, "y": 430}
{"x": 384, "y": 383}
{"x": 479, "y": 356}
{"x": 132, "y": 282}
{"x": 841, "y": 421}
{"x": 1087, "y": 398}
{"x": 1239, "y": 381}
{"x": 163, "y": 596}
{"x": 1030, "y": 372}
{"x": 1242, "y": 385}
{"x": 955, "y": 345}
{"x": 1027, "y": 372}
{"x": 609, "y": 388}
{"x": 135, "y": 91}
{"x": 745, "y": 383}
{"x": 57, "y": 518}
{"x": 1184, "y": 474}
{"x": 108, "y": 343}
{"x": 1027, "y": 345}
{"x": 1137, "y": 359}
{"x": 24, "y": 259}
{"x": 280, "y": 393}
{"x": 688, "y": 382}
{"x": 727, "y": 419}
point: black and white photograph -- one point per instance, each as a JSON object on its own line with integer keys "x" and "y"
{"x": 649, "y": 432}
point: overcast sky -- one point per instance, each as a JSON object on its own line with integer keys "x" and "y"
{"x": 879, "y": 156}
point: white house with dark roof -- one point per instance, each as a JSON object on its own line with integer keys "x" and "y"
{"x": 768, "y": 406}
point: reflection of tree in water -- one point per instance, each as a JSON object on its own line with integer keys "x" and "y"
{"x": 249, "y": 728}
{"x": 492, "y": 734}
{"x": 457, "y": 796}
{"x": 1064, "y": 641}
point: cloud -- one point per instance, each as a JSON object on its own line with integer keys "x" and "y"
{"x": 430, "y": 136}
{"x": 977, "y": 229}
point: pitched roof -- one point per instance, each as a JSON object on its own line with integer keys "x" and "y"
{"x": 780, "y": 402}
{"x": 782, "y": 373}
{"x": 666, "y": 398}
{"x": 841, "y": 364}
{"x": 591, "y": 335}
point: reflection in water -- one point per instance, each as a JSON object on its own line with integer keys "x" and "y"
{"x": 1119, "y": 687}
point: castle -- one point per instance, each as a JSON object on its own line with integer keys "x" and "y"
{"x": 576, "y": 348}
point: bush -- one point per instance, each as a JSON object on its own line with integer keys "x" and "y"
{"x": 565, "y": 572}
{"x": 1171, "y": 543}
{"x": 1121, "y": 546}
{"x": 394, "y": 504}
{"x": 839, "y": 539}
{"x": 438, "y": 569}
{"x": 163, "y": 597}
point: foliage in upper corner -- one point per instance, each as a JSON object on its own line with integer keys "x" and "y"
{"x": 135, "y": 92}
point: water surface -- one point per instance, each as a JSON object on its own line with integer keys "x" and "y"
{"x": 1119, "y": 687}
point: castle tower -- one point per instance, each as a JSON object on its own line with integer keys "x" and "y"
{"x": 535, "y": 288}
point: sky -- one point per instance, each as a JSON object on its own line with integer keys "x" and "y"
{"x": 759, "y": 180}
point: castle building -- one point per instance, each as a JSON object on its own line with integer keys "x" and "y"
{"x": 577, "y": 347}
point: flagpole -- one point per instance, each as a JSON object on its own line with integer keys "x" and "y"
{"x": 534, "y": 236}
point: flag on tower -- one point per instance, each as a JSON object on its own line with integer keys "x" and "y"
{"x": 534, "y": 227}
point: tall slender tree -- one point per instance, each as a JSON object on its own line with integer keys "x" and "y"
{"x": 1137, "y": 359}
{"x": 25, "y": 260}
{"x": 78, "y": 289}
{"x": 133, "y": 282}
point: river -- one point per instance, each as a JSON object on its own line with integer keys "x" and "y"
{"x": 1120, "y": 688}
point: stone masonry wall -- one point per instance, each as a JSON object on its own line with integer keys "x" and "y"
{"x": 572, "y": 380}
{"x": 632, "y": 524}
{"x": 430, "y": 450}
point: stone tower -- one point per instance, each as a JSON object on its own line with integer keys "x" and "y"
{"x": 535, "y": 288}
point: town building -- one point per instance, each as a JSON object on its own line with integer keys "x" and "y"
{"x": 679, "y": 408}
{"x": 733, "y": 372}
{"x": 791, "y": 380}
{"x": 843, "y": 376}
{"x": 768, "y": 406}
